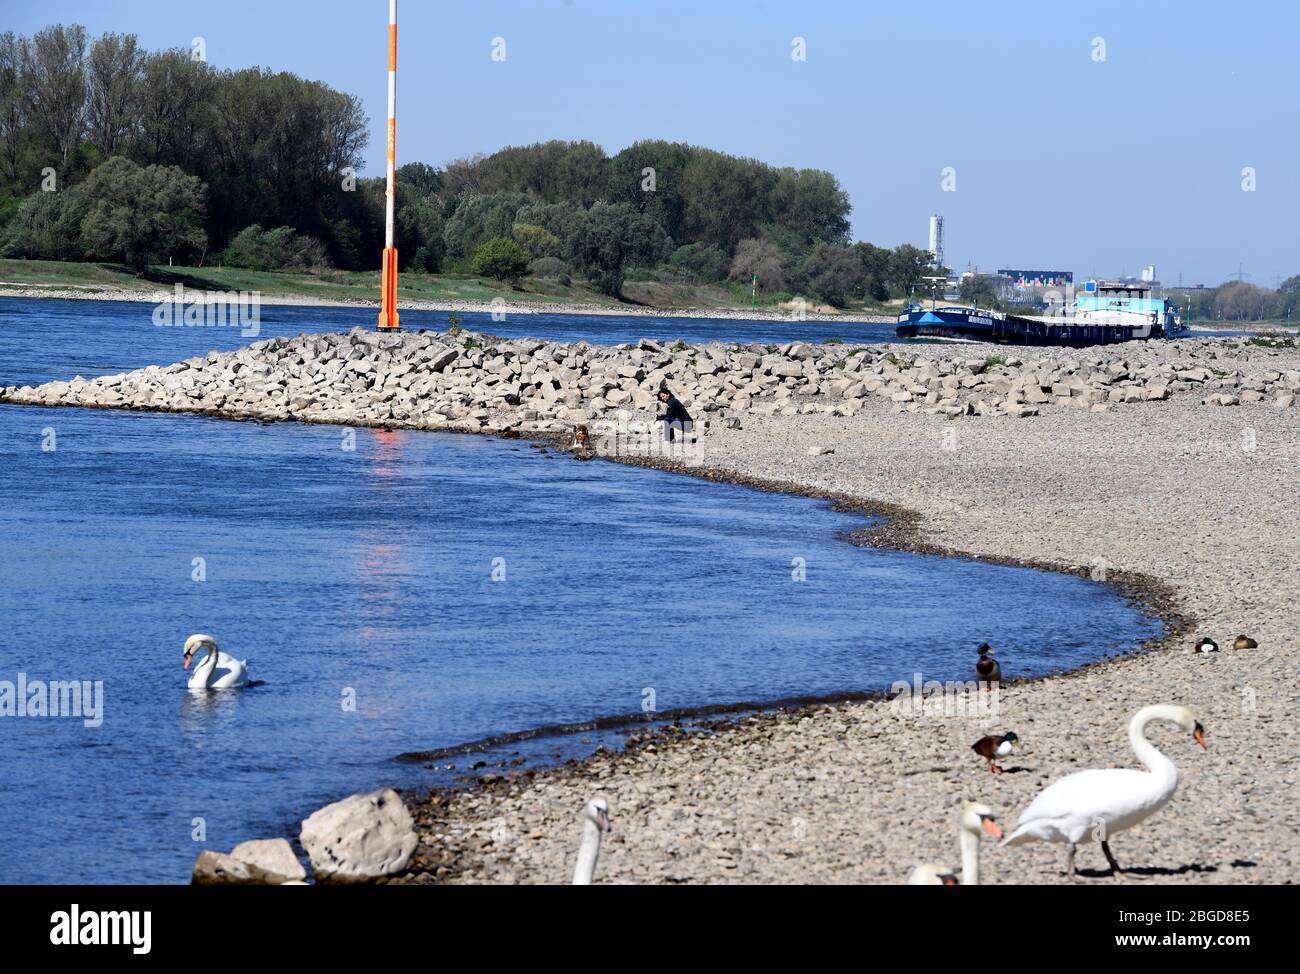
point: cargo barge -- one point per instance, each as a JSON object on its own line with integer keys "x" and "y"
{"x": 1103, "y": 314}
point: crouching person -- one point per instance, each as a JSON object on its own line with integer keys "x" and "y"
{"x": 677, "y": 421}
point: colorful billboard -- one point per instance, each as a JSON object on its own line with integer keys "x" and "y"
{"x": 1027, "y": 280}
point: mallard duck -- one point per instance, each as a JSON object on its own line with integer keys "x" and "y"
{"x": 992, "y": 747}
{"x": 988, "y": 669}
{"x": 1206, "y": 645}
{"x": 1245, "y": 642}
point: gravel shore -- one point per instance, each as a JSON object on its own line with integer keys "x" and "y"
{"x": 1183, "y": 486}
{"x": 1200, "y": 500}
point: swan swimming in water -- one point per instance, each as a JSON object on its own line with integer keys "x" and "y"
{"x": 218, "y": 670}
{"x": 1106, "y": 801}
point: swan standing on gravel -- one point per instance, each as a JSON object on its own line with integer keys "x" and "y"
{"x": 975, "y": 820}
{"x": 218, "y": 670}
{"x": 1102, "y": 802}
{"x": 595, "y": 823}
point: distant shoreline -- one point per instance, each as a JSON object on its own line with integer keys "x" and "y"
{"x": 90, "y": 292}
{"x": 79, "y": 292}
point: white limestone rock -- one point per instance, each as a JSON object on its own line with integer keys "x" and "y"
{"x": 274, "y": 857}
{"x": 360, "y": 838}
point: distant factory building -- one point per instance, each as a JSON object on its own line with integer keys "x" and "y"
{"x": 936, "y": 238}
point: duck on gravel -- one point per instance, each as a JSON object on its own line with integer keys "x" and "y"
{"x": 992, "y": 747}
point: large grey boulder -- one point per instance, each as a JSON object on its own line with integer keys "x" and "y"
{"x": 360, "y": 838}
{"x": 274, "y": 857}
{"x": 219, "y": 869}
{"x": 260, "y": 862}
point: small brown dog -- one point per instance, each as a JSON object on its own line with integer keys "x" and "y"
{"x": 581, "y": 438}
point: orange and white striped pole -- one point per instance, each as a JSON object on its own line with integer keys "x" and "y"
{"x": 388, "y": 284}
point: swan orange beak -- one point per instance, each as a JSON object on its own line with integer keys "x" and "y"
{"x": 188, "y": 660}
{"x": 950, "y": 880}
{"x": 992, "y": 827}
{"x": 1199, "y": 735}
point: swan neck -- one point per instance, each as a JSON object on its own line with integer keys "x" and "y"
{"x": 970, "y": 858}
{"x": 1147, "y": 752}
{"x": 587, "y": 854}
{"x": 209, "y": 665}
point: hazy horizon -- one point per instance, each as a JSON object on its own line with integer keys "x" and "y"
{"x": 1062, "y": 160}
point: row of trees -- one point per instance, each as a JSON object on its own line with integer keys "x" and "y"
{"x": 1243, "y": 301}
{"x": 108, "y": 151}
{"x": 268, "y": 148}
{"x": 695, "y": 195}
{"x": 122, "y": 211}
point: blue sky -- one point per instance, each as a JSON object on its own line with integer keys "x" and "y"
{"x": 1062, "y": 161}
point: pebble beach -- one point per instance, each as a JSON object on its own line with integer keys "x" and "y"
{"x": 1170, "y": 469}
{"x": 859, "y": 793}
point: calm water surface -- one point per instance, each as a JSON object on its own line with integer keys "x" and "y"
{"x": 367, "y": 574}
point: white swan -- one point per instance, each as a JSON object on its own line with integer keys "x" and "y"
{"x": 595, "y": 822}
{"x": 218, "y": 670}
{"x": 932, "y": 874}
{"x": 1100, "y": 802}
{"x": 975, "y": 819}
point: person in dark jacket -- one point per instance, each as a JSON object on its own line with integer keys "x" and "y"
{"x": 675, "y": 417}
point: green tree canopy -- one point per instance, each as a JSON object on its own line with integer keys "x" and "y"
{"x": 419, "y": 232}
{"x": 876, "y": 269}
{"x": 142, "y": 215}
{"x": 705, "y": 263}
{"x": 266, "y": 250}
{"x": 480, "y": 218}
{"x": 47, "y": 226}
{"x": 908, "y": 265}
{"x": 761, "y": 258}
{"x": 538, "y": 241}
{"x": 833, "y": 274}
{"x": 1243, "y": 301}
{"x": 977, "y": 290}
{"x": 808, "y": 208}
{"x": 418, "y": 178}
{"x": 501, "y": 258}
{"x": 613, "y": 237}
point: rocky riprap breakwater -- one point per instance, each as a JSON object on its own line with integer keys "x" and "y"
{"x": 473, "y": 382}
